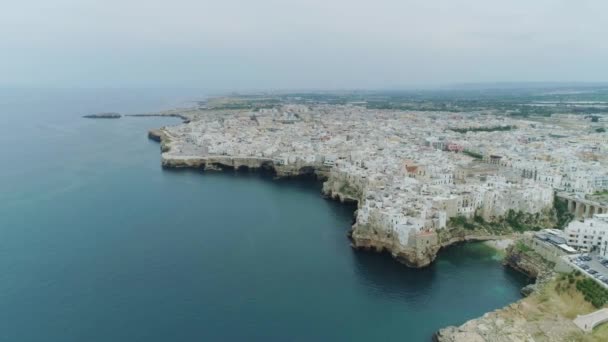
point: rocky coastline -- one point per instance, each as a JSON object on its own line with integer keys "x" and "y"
{"x": 511, "y": 323}
{"x": 420, "y": 251}
{"x": 372, "y": 234}
{"x": 223, "y": 163}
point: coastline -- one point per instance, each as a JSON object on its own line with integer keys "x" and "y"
{"x": 420, "y": 251}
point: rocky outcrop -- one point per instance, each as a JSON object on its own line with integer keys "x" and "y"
{"x": 340, "y": 188}
{"x": 525, "y": 260}
{"x": 160, "y": 136}
{"x": 422, "y": 248}
{"x": 545, "y": 315}
{"x": 512, "y": 323}
{"x": 504, "y": 325}
{"x": 420, "y": 251}
{"x": 155, "y": 134}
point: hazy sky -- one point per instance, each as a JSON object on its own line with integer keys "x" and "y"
{"x": 279, "y": 44}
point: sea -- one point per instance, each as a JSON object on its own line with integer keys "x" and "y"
{"x": 99, "y": 243}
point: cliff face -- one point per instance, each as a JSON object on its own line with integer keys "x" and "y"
{"x": 413, "y": 248}
{"x": 520, "y": 258}
{"x": 420, "y": 251}
{"x": 216, "y": 163}
{"x": 372, "y": 233}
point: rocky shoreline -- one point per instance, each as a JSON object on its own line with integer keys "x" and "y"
{"x": 511, "y": 323}
{"x": 420, "y": 251}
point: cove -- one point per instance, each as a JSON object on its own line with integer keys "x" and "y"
{"x": 99, "y": 243}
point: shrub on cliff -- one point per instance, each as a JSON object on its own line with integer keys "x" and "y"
{"x": 593, "y": 292}
{"x": 561, "y": 212}
{"x": 522, "y": 247}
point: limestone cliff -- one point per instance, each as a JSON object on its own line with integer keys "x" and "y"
{"x": 523, "y": 259}
{"x": 413, "y": 247}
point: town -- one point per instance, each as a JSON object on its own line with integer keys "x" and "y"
{"x": 423, "y": 180}
{"x": 414, "y": 173}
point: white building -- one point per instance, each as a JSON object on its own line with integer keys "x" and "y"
{"x": 591, "y": 234}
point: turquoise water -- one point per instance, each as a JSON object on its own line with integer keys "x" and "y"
{"x": 98, "y": 243}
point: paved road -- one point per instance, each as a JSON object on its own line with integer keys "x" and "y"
{"x": 589, "y": 321}
{"x": 594, "y": 264}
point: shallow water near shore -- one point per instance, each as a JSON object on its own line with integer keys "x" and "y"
{"x": 98, "y": 243}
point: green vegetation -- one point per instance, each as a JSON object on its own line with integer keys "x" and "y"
{"x": 350, "y": 191}
{"x": 561, "y": 212}
{"x": 473, "y": 154}
{"x": 479, "y": 219}
{"x": 483, "y": 129}
{"x": 514, "y": 221}
{"x": 520, "y": 221}
{"x": 594, "y": 293}
{"x": 522, "y": 247}
{"x": 461, "y": 221}
{"x": 591, "y": 291}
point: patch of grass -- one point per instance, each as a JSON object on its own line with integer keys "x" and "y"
{"x": 522, "y": 247}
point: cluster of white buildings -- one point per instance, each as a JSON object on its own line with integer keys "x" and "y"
{"x": 590, "y": 234}
{"x": 413, "y": 172}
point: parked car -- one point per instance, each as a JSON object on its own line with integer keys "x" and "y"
{"x": 592, "y": 271}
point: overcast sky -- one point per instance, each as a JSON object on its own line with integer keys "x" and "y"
{"x": 296, "y": 44}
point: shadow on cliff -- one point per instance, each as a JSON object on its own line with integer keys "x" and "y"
{"x": 306, "y": 181}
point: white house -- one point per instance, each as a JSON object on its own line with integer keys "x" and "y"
{"x": 591, "y": 234}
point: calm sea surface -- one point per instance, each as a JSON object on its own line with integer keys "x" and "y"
{"x": 98, "y": 243}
